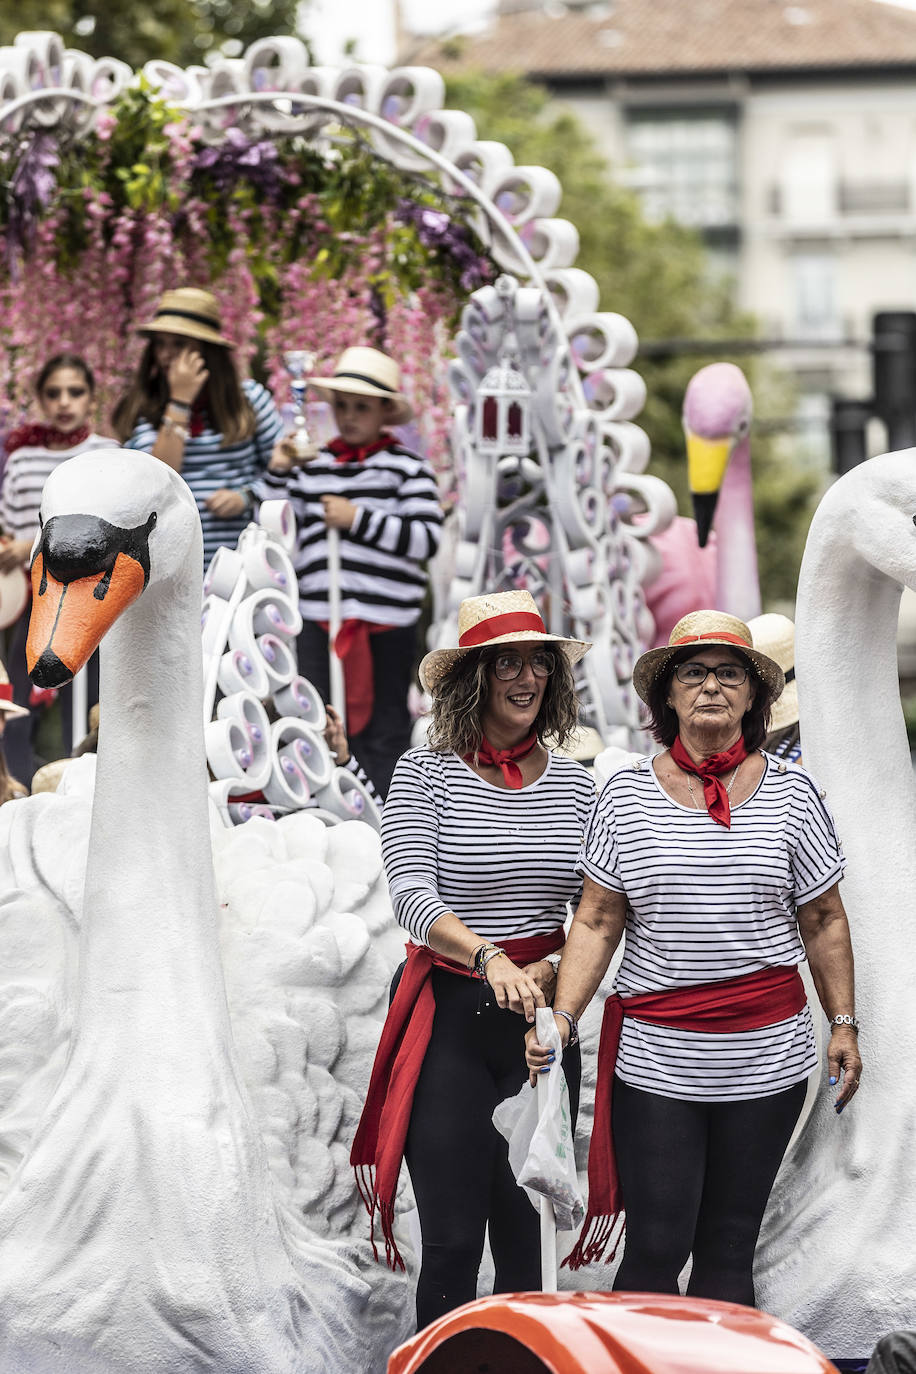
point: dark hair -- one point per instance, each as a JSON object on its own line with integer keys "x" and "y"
{"x": 460, "y": 698}
{"x": 65, "y": 360}
{"x": 663, "y": 722}
{"x": 147, "y": 396}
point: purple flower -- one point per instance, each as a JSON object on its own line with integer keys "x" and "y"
{"x": 31, "y": 188}
{"x": 438, "y": 232}
{"x": 237, "y": 158}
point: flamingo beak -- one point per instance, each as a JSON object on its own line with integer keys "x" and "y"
{"x": 85, "y": 573}
{"x": 707, "y": 460}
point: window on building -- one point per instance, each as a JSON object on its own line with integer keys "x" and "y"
{"x": 684, "y": 165}
{"x": 809, "y": 177}
{"x": 815, "y": 295}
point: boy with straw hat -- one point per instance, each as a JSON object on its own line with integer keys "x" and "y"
{"x": 383, "y": 500}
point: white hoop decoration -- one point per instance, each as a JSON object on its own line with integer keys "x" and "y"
{"x": 276, "y": 517}
{"x": 410, "y": 92}
{"x": 298, "y": 741}
{"x": 276, "y": 64}
{"x": 46, "y": 50}
{"x": 278, "y": 659}
{"x": 14, "y": 596}
{"x": 266, "y": 563}
{"x": 239, "y": 812}
{"x": 245, "y": 710}
{"x": 617, "y": 393}
{"x": 553, "y": 243}
{"x": 109, "y": 78}
{"x": 275, "y": 614}
{"x": 302, "y": 701}
{"x": 242, "y": 672}
{"x": 574, "y": 292}
{"x": 360, "y": 86}
{"x": 485, "y": 162}
{"x": 346, "y": 797}
{"x": 224, "y": 570}
{"x": 630, "y": 445}
{"x": 602, "y": 340}
{"x": 229, "y": 750}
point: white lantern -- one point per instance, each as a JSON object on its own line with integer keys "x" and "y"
{"x": 503, "y": 414}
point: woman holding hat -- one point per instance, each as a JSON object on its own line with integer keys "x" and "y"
{"x": 722, "y": 866}
{"x": 188, "y": 406}
{"x": 480, "y": 834}
{"x": 384, "y": 501}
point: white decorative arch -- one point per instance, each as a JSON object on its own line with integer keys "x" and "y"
{"x": 591, "y": 456}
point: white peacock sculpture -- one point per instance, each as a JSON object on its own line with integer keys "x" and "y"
{"x": 837, "y": 1258}
{"x": 181, "y": 1067}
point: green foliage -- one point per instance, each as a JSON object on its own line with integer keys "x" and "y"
{"x": 656, "y": 275}
{"x": 180, "y": 31}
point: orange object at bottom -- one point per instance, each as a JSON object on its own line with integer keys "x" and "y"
{"x": 607, "y": 1333}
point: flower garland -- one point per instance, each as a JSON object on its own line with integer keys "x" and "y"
{"x": 303, "y": 249}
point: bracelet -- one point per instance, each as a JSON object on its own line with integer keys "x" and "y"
{"x": 248, "y": 496}
{"x": 554, "y": 961}
{"x": 844, "y": 1019}
{"x": 179, "y": 405}
{"x": 482, "y": 957}
{"x": 174, "y": 427}
{"x": 573, "y": 1026}
{"x": 472, "y": 961}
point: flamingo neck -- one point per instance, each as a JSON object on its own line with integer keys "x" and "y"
{"x": 737, "y": 580}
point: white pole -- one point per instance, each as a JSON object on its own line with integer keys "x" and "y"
{"x": 79, "y": 708}
{"x": 338, "y": 694}
{"x": 548, "y": 1221}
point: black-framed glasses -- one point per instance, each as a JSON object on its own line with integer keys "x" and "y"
{"x": 695, "y": 674}
{"x": 508, "y": 665}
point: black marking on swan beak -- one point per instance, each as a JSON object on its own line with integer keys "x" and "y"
{"x": 77, "y": 546}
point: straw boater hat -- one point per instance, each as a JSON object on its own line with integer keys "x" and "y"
{"x": 8, "y": 706}
{"x": 704, "y": 629}
{"x": 367, "y": 372}
{"x": 190, "y": 312}
{"x": 500, "y": 618}
{"x": 775, "y": 635}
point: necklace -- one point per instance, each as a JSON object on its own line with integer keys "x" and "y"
{"x": 728, "y": 790}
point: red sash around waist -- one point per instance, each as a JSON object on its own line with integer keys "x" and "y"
{"x": 378, "y": 1146}
{"x": 746, "y": 1003}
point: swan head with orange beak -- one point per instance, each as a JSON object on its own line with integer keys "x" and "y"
{"x": 717, "y": 412}
{"x": 101, "y": 540}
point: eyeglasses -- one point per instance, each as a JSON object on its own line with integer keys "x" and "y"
{"x": 695, "y": 674}
{"x": 508, "y": 666}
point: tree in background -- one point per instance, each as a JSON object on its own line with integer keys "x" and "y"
{"x": 656, "y": 275}
{"x": 179, "y": 31}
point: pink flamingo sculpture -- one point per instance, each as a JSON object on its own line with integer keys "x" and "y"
{"x": 717, "y": 420}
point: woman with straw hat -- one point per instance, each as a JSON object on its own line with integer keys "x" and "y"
{"x": 480, "y": 834}
{"x": 188, "y": 406}
{"x": 722, "y": 865}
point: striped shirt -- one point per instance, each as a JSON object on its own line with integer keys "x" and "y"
{"x": 383, "y": 555}
{"x": 502, "y": 860}
{"x": 27, "y": 470}
{"x": 706, "y": 903}
{"x": 207, "y": 467}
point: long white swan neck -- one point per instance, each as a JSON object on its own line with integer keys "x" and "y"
{"x": 150, "y": 897}
{"x": 737, "y": 579}
{"x": 846, "y": 666}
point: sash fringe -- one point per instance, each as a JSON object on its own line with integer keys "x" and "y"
{"x": 365, "y": 1183}
{"x": 594, "y": 1238}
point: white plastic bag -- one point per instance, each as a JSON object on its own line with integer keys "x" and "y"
{"x": 541, "y": 1153}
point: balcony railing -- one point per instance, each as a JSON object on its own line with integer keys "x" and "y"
{"x": 867, "y": 198}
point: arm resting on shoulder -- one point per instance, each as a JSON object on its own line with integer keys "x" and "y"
{"x": 825, "y": 933}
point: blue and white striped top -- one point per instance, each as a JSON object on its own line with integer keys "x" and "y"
{"x": 503, "y": 860}
{"x": 707, "y": 903}
{"x": 383, "y": 555}
{"x": 208, "y": 467}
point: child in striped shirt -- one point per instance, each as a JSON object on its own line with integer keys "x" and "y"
{"x": 384, "y": 501}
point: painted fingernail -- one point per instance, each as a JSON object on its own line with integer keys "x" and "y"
{"x": 545, "y": 1069}
{"x": 832, "y": 1081}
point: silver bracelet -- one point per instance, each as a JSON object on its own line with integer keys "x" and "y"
{"x": 844, "y": 1019}
{"x": 174, "y": 428}
{"x": 573, "y": 1026}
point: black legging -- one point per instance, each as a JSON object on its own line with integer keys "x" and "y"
{"x": 458, "y": 1161}
{"x": 696, "y": 1177}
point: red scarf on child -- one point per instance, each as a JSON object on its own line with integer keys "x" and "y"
{"x": 710, "y": 770}
{"x": 356, "y": 453}
{"x": 45, "y": 436}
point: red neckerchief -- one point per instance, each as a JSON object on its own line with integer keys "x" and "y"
{"x": 198, "y": 419}
{"x": 351, "y": 453}
{"x": 748, "y": 1002}
{"x": 504, "y": 759}
{"x": 45, "y": 436}
{"x": 714, "y": 794}
{"x": 378, "y": 1146}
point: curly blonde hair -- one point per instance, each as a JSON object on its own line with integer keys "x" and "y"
{"x": 459, "y": 702}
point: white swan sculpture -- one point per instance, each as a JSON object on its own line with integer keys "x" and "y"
{"x": 174, "y": 1186}
{"x": 837, "y": 1257}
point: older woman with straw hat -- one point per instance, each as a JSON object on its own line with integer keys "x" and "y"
{"x": 721, "y": 864}
{"x": 188, "y": 405}
{"x": 480, "y": 835}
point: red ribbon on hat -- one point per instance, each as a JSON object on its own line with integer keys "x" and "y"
{"x": 717, "y": 635}
{"x": 496, "y": 625}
